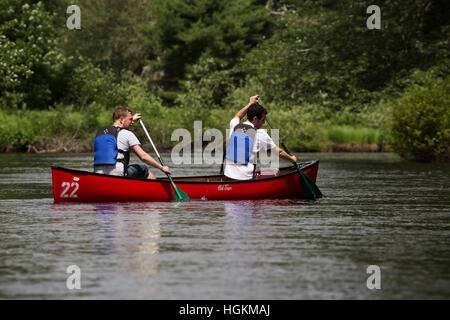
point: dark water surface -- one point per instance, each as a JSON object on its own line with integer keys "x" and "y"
{"x": 378, "y": 211}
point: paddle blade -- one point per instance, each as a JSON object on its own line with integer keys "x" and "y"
{"x": 179, "y": 194}
{"x": 314, "y": 187}
{"x": 311, "y": 189}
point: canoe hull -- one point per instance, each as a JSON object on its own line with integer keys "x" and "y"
{"x": 82, "y": 186}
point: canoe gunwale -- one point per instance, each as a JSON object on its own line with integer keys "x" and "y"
{"x": 303, "y": 166}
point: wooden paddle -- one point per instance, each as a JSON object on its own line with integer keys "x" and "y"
{"x": 311, "y": 189}
{"x": 177, "y": 192}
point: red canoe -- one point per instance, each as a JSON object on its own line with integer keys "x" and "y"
{"x": 82, "y": 186}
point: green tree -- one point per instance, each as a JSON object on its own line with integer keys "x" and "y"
{"x": 323, "y": 52}
{"x": 421, "y": 119}
{"x": 30, "y": 63}
{"x": 185, "y": 31}
{"x": 112, "y": 34}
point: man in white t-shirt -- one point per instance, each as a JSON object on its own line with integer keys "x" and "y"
{"x": 246, "y": 140}
{"x": 112, "y": 149}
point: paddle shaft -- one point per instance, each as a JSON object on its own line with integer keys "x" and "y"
{"x": 151, "y": 141}
{"x": 154, "y": 148}
{"x": 281, "y": 141}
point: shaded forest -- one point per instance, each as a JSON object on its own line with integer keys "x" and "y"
{"x": 328, "y": 82}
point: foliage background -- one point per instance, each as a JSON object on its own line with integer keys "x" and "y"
{"x": 327, "y": 81}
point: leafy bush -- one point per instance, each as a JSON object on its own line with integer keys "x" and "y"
{"x": 350, "y": 134}
{"x": 15, "y": 131}
{"x": 91, "y": 84}
{"x": 30, "y": 63}
{"x": 297, "y": 129}
{"x": 157, "y": 119}
{"x": 421, "y": 119}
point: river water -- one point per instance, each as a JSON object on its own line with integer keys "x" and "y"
{"x": 378, "y": 211}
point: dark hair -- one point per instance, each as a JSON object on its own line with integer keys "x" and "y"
{"x": 120, "y": 112}
{"x": 255, "y": 110}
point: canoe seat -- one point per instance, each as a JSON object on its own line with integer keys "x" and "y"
{"x": 265, "y": 175}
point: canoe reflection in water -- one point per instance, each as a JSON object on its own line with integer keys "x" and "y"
{"x": 142, "y": 231}
{"x": 125, "y": 235}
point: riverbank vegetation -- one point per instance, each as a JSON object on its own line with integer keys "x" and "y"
{"x": 328, "y": 82}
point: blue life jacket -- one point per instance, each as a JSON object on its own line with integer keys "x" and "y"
{"x": 105, "y": 147}
{"x": 240, "y": 144}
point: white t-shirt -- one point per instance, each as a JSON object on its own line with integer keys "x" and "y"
{"x": 262, "y": 141}
{"x": 125, "y": 140}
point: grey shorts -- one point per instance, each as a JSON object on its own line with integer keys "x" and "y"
{"x": 137, "y": 171}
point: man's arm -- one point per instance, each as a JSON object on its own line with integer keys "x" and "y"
{"x": 145, "y": 157}
{"x": 283, "y": 155}
{"x": 241, "y": 113}
{"x": 266, "y": 143}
